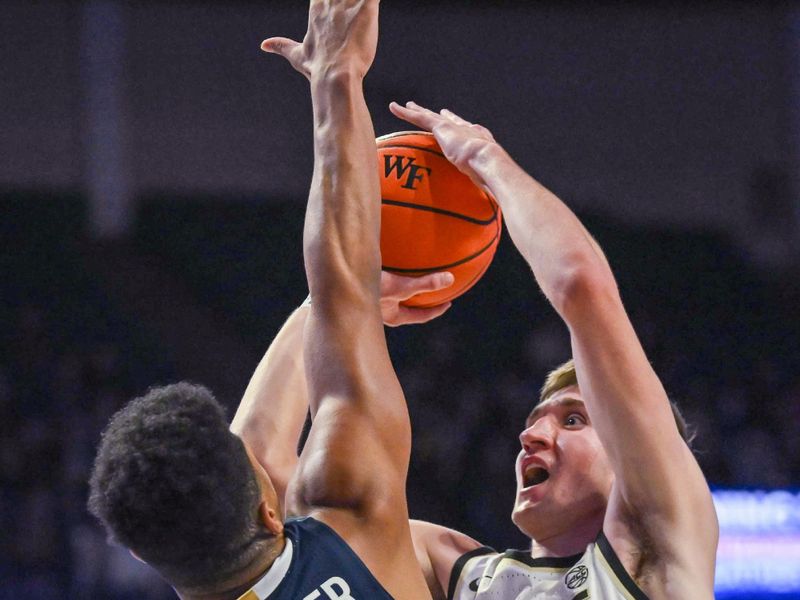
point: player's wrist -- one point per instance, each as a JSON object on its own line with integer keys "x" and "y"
{"x": 338, "y": 100}
{"x": 487, "y": 156}
{"x": 488, "y": 162}
{"x": 337, "y": 77}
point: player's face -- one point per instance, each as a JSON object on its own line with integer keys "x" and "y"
{"x": 563, "y": 474}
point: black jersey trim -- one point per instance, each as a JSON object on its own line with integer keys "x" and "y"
{"x": 616, "y": 565}
{"x": 549, "y": 562}
{"x": 458, "y": 566}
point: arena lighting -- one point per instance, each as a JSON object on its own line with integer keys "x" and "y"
{"x": 759, "y": 544}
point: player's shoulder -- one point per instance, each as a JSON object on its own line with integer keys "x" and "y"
{"x": 313, "y": 532}
{"x": 317, "y": 562}
{"x": 439, "y": 550}
{"x": 441, "y": 543}
{"x": 306, "y": 525}
{"x": 426, "y": 531}
{"x": 310, "y": 532}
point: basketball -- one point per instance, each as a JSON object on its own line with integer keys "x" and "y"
{"x": 433, "y": 217}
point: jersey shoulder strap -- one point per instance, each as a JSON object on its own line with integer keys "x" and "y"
{"x": 458, "y": 567}
{"x": 608, "y": 562}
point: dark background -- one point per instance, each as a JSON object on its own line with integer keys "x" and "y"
{"x": 152, "y": 180}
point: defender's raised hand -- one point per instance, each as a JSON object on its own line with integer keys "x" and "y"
{"x": 460, "y": 140}
{"x": 341, "y": 35}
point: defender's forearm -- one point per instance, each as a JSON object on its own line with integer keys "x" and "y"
{"x": 342, "y": 230}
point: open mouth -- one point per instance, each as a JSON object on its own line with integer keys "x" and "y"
{"x": 534, "y": 475}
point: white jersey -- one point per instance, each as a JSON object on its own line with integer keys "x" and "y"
{"x": 597, "y": 574}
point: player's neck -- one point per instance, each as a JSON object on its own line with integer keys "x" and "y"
{"x": 243, "y": 581}
{"x": 568, "y": 542}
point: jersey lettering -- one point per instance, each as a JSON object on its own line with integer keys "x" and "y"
{"x": 343, "y": 592}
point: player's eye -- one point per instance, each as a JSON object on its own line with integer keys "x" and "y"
{"x": 574, "y": 420}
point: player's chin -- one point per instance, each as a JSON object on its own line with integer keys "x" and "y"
{"x": 524, "y": 517}
{"x": 524, "y": 505}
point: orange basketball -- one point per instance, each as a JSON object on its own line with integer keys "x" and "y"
{"x": 433, "y": 217}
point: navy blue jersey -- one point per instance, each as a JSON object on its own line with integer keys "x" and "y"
{"x": 317, "y": 564}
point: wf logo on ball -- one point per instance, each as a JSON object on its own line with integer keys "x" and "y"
{"x": 400, "y": 165}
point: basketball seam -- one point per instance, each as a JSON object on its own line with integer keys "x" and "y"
{"x": 443, "y": 267}
{"x": 442, "y": 211}
{"x": 410, "y": 147}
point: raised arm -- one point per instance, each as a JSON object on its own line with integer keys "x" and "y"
{"x": 658, "y": 483}
{"x": 353, "y": 470}
{"x": 272, "y": 412}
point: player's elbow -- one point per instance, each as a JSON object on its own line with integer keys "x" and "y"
{"x": 583, "y": 287}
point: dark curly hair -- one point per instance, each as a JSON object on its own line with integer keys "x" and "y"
{"x": 173, "y": 484}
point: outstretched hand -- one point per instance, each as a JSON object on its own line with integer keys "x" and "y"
{"x": 460, "y": 140}
{"x": 342, "y": 36}
{"x": 396, "y": 288}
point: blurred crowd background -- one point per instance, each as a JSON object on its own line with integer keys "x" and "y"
{"x": 152, "y": 194}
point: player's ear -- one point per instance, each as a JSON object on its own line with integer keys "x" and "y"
{"x": 269, "y": 518}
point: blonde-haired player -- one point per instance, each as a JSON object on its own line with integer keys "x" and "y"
{"x": 608, "y": 490}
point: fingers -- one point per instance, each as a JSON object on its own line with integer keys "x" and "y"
{"x": 288, "y": 49}
{"x": 278, "y": 45}
{"x": 399, "y": 288}
{"x": 416, "y": 316}
{"x": 408, "y": 115}
{"x": 423, "y": 117}
{"x": 429, "y": 283}
{"x": 415, "y": 114}
{"x": 449, "y": 114}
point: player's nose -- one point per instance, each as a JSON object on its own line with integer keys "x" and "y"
{"x": 538, "y": 436}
